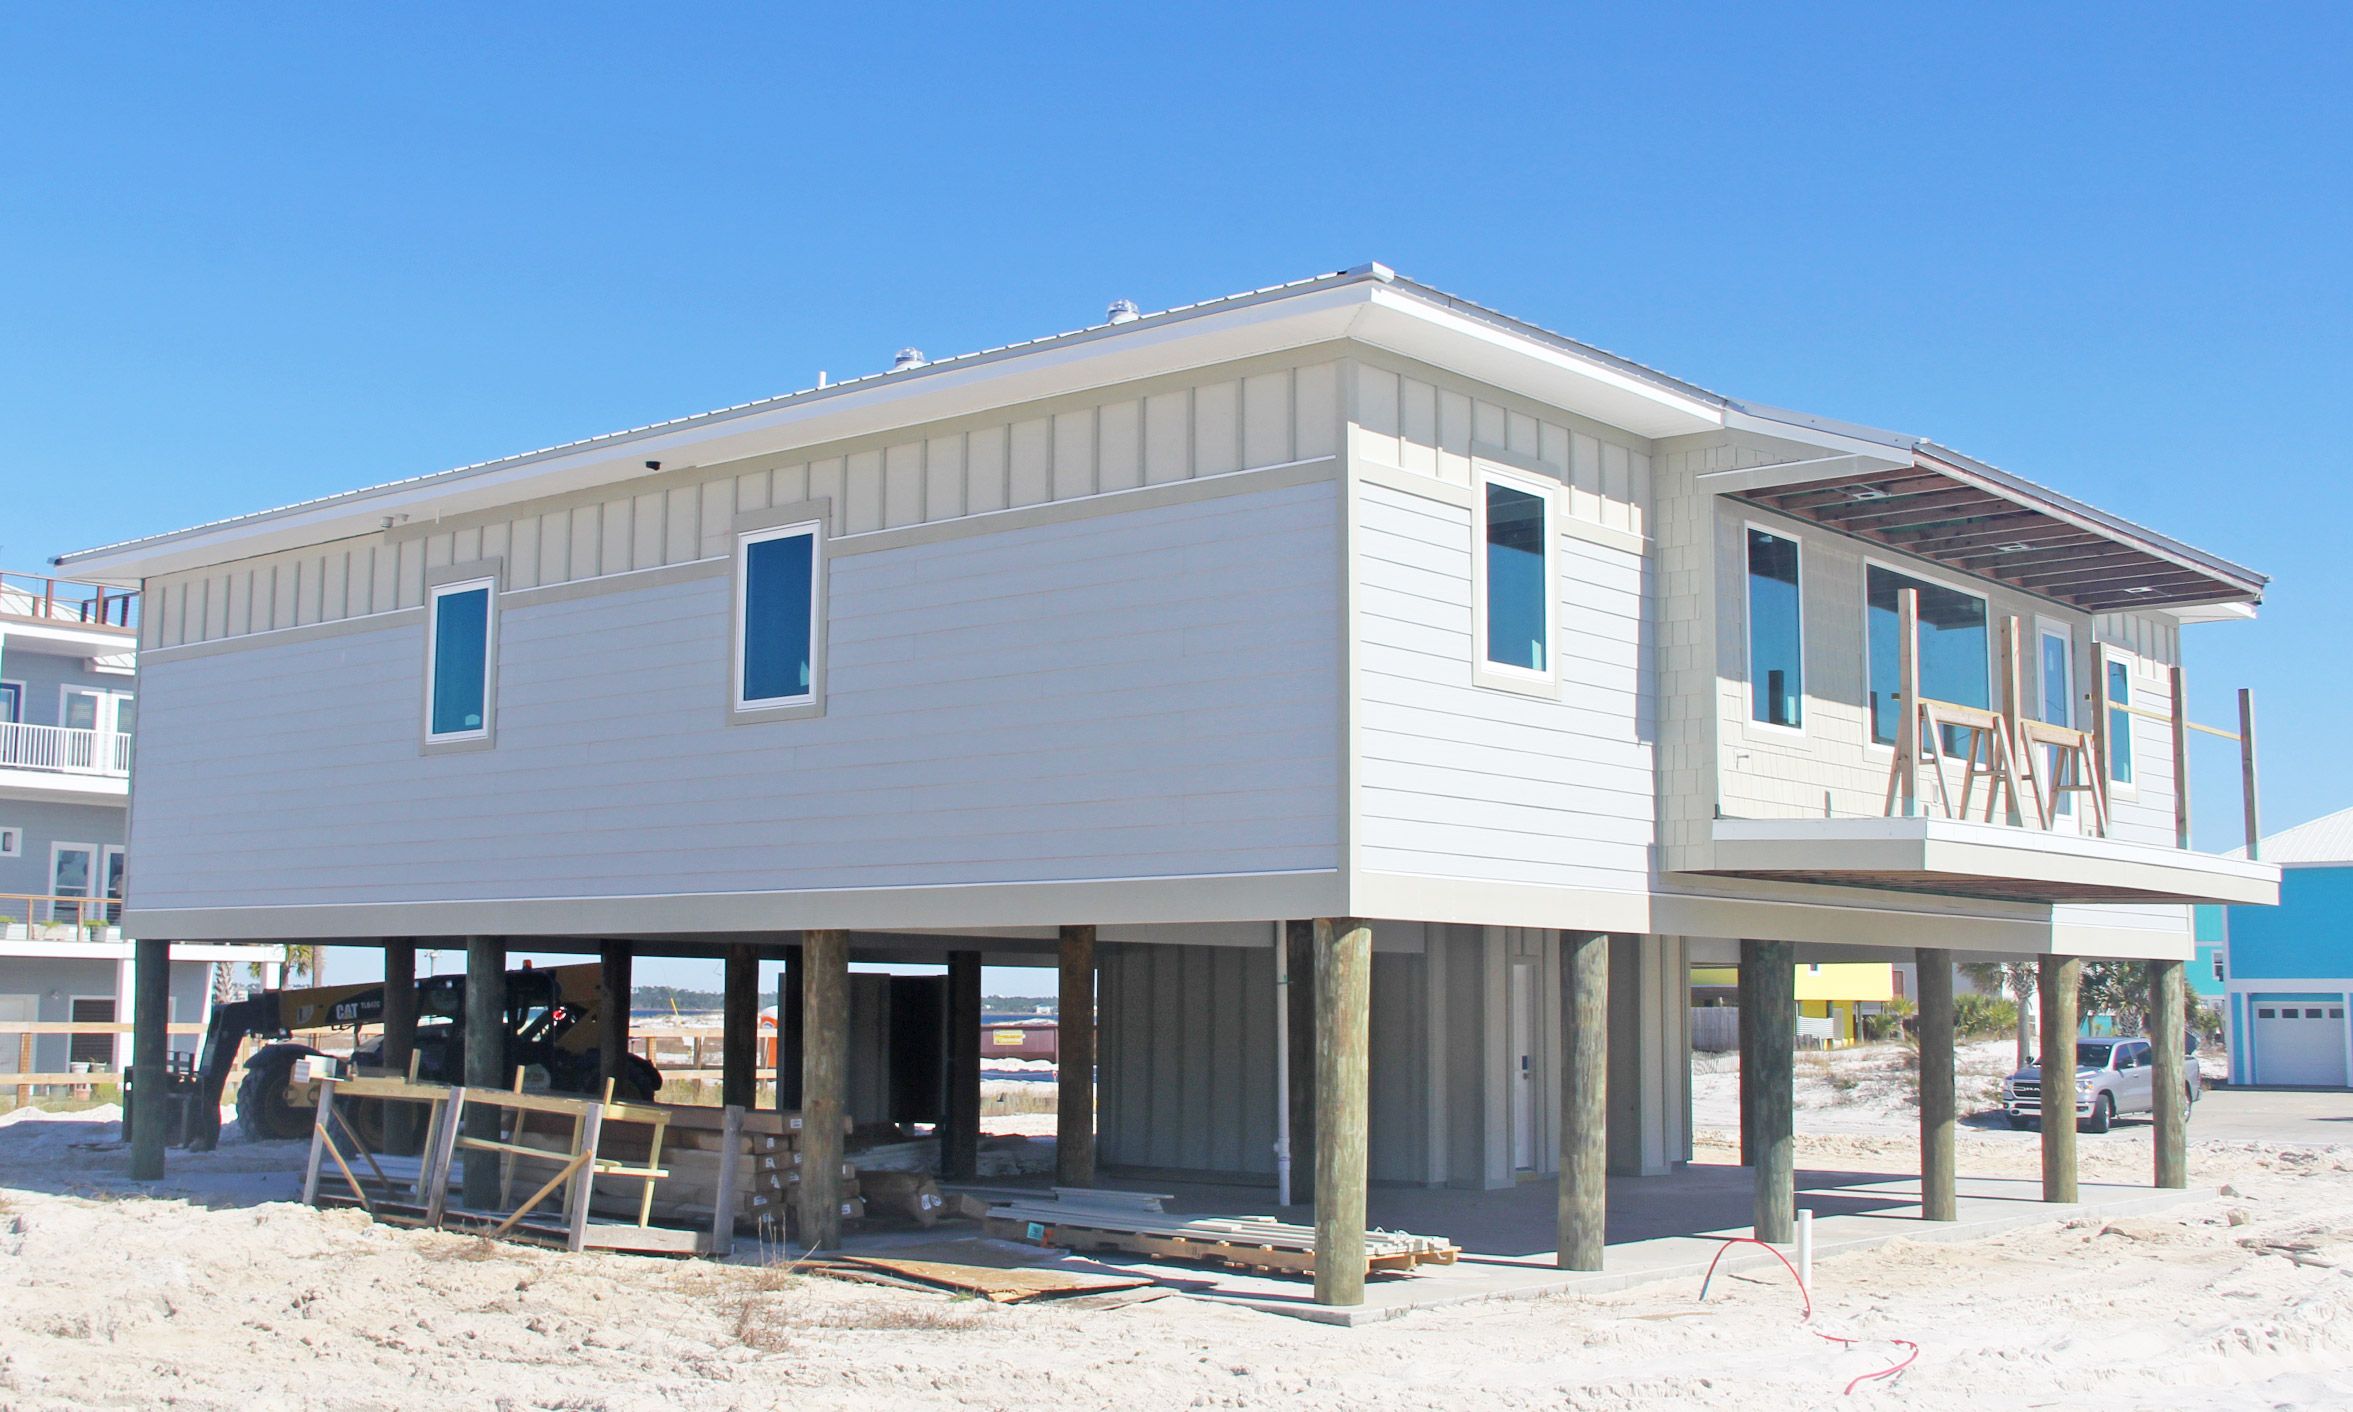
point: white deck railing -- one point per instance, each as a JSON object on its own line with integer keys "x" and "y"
{"x": 64, "y": 750}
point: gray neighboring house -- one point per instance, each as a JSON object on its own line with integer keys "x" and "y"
{"x": 1342, "y": 599}
{"x": 68, "y": 698}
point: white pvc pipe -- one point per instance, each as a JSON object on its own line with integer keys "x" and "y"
{"x": 1282, "y": 1065}
{"x": 1805, "y": 1250}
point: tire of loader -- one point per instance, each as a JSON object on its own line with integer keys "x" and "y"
{"x": 262, "y": 1110}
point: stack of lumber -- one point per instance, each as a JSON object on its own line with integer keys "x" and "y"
{"x": 1138, "y": 1224}
{"x": 766, "y": 1161}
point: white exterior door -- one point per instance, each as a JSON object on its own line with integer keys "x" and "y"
{"x": 1523, "y": 1058}
{"x": 2300, "y": 1043}
{"x": 2055, "y": 673}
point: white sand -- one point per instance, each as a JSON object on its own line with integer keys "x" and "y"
{"x": 112, "y": 1300}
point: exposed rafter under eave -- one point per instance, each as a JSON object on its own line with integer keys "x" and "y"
{"x": 1986, "y": 525}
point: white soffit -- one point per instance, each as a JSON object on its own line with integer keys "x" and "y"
{"x": 1556, "y": 377}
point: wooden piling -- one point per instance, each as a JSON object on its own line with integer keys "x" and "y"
{"x": 791, "y": 999}
{"x": 400, "y": 1036}
{"x": 486, "y": 1060}
{"x": 614, "y": 987}
{"x": 1938, "y": 1198}
{"x": 739, "y": 1027}
{"x": 2168, "y": 1019}
{"x": 1746, "y": 998}
{"x": 825, "y": 1056}
{"x": 1343, "y": 1035}
{"x": 1299, "y": 966}
{"x": 1584, "y": 1111}
{"x": 2060, "y": 975}
{"x": 960, "y": 1123}
{"x": 151, "y": 1017}
{"x": 1775, "y": 991}
{"x": 1074, "y": 1061}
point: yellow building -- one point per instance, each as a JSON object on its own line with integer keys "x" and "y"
{"x": 1830, "y": 995}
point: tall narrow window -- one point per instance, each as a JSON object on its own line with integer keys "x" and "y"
{"x": 457, "y": 689}
{"x": 12, "y": 702}
{"x": 2057, "y": 676}
{"x": 776, "y": 618}
{"x": 1515, "y": 580}
{"x": 1953, "y": 647}
{"x": 1776, "y": 632}
{"x": 2119, "y": 722}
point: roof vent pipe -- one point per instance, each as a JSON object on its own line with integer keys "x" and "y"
{"x": 1123, "y": 311}
{"x": 907, "y": 358}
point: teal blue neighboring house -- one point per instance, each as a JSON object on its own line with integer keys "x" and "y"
{"x": 2287, "y": 971}
{"x": 2206, "y": 968}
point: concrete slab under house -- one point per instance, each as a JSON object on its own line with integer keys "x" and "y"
{"x": 1375, "y": 705}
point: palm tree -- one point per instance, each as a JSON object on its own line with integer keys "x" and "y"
{"x": 2019, "y": 978}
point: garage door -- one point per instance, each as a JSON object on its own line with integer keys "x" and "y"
{"x": 2302, "y": 1043}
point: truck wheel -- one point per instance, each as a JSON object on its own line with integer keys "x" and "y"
{"x": 262, "y": 1110}
{"x": 2103, "y": 1114}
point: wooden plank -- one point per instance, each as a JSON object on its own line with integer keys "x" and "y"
{"x": 2247, "y": 781}
{"x": 2181, "y": 756}
{"x": 723, "y": 1200}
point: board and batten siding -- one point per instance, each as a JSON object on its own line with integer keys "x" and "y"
{"x": 1149, "y": 693}
{"x": 1188, "y": 1061}
{"x": 1464, "y": 781}
{"x": 1262, "y": 415}
{"x": 1430, "y": 427}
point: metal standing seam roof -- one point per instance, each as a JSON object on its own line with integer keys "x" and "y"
{"x": 1365, "y": 273}
{"x": 2327, "y": 839}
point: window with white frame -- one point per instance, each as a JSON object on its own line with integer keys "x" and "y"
{"x": 1515, "y": 583}
{"x": 2119, "y": 692}
{"x": 777, "y": 642}
{"x": 12, "y": 841}
{"x": 73, "y": 867}
{"x": 1776, "y": 631}
{"x": 12, "y": 702}
{"x": 1955, "y": 651}
{"x": 462, "y": 643}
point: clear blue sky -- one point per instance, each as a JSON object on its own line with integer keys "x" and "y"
{"x": 253, "y": 255}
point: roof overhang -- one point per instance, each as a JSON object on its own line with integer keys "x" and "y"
{"x": 1946, "y": 508}
{"x": 1368, "y": 305}
{"x": 1961, "y": 858}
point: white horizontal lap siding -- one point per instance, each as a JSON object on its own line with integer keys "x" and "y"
{"x": 1149, "y": 694}
{"x": 1265, "y": 417}
{"x": 1457, "y": 780}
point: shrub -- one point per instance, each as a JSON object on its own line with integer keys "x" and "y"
{"x": 1979, "y": 1016}
{"x": 1893, "y": 1021}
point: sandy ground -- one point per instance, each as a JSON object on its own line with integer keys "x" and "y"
{"x": 110, "y": 1299}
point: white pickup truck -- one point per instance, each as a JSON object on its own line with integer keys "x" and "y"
{"x": 2112, "y": 1077}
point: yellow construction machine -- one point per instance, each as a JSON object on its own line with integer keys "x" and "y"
{"x": 550, "y": 1026}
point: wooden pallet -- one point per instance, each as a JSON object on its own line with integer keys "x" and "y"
{"x": 1138, "y": 1225}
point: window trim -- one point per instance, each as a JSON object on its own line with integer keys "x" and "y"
{"x": 1886, "y": 749}
{"x": 2046, "y": 628}
{"x": 2112, "y": 655}
{"x": 439, "y": 584}
{"x": 57, "y": 848}
{"x": 1748, "y": 636}
{"x": 15, "y": 690}
{"x": 1501, "y": 676}
{"x": 812, "y": 518}
{"x": 12, "y": 840}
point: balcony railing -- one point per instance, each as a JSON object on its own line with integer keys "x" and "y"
{"x": 55, "y": 600}
{"x": 64, "y": 750}
{"x": 2032, "y": 768}
{"x": 35, "y": 917}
